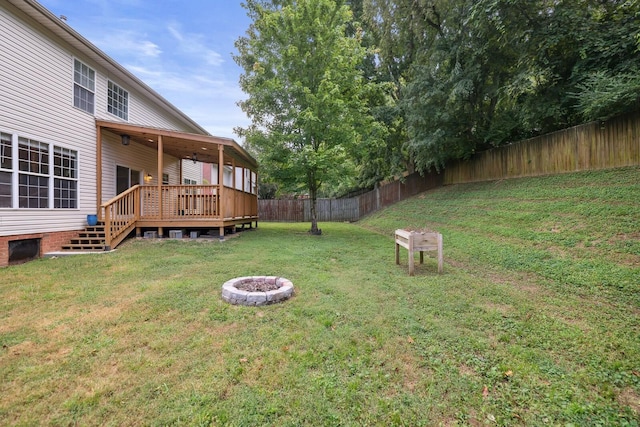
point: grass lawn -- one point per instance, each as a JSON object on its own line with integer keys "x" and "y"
{"x": 536, "y": 320}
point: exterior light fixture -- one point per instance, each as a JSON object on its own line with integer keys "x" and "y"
{"x": 194, "y": 157}
{"x": 125, "y": 139}
{"x": 148, "y": 178}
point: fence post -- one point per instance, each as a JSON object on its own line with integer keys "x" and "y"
{"x": 330, "y": 209}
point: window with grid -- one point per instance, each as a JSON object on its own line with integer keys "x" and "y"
{"x": 84, "y": 86}
{"x": 117, "y": 101}
{"x": 65, "y": 182}
{"x": 33, "y": 179}
{"x": 37, "y": 168}
{"x": 254, "y": 183}
{"x": 33, "y": 192}
{"x": 6, "y": 173}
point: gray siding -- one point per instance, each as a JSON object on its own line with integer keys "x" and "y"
{"x": 134, "y": 156}
{"x": 192, "y": 170}
{"x": 36, "y": 102}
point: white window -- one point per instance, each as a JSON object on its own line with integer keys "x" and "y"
{"x": 84, "y": 87}
{"x": 33, "y": 178}
{"x": 37, "y": 168}
{"x": 65, "y": 182}
{"x": 188, "y": 181}
{"x": 117, "y": 101}
{"x": 6, "y": 170}
{"x": 254, "y": 183}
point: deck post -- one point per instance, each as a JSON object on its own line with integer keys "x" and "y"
{"x": 221, "y": 187}
{"x": 159, "y": 178}
{"x": 107, "y": 229}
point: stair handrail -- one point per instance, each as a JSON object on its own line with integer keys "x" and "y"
{"x": 120, "y": 216}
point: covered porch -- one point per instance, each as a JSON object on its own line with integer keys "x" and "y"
{"x": 164, "y": 206}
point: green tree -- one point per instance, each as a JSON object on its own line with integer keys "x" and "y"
{"x": 474, "y": 74}
{"x": 396, "y": 30}
{"x": 308, "y": 100}
{"x": 606, "y": 77}
{"x": 452, "y": 96}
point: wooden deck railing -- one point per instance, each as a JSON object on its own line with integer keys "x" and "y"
{"x": 120, "y": 215}
{"x": 239, "y": 204}
{"x": 183, "y": 202}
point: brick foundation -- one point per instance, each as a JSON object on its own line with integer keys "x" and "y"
{"x": 49, "y": 242}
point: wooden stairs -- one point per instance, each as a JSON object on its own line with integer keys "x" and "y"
{"x": 91, "y": 239}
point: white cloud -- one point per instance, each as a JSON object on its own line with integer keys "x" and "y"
{"x": 175, "y": 33}
{"x": 128, "y": 43}
{"x": 210, "y": 102}
{"x": 196, "y": 85}
{"x": 150, "y": 49}
{"x": 194, "y": 45}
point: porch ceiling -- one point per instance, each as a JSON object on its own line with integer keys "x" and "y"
{"x": 183, "y": 145}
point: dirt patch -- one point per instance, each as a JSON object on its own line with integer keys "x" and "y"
{"x": 467, "y": 371}
{"x": 627, "y": 236}
{"x": 401, "y": 361}
{"x": 629, "y": 397}
{"x": 625, "y": 258}
{"x": 24, "y": 349}
{"x": 503, "y": 309}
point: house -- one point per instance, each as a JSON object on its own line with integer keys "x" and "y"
{"x": 80, "y": 135}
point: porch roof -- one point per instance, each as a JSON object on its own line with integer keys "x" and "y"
{"x": 182, "y": 144}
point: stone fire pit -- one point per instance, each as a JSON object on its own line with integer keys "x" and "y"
{"x": 257, "y": 290}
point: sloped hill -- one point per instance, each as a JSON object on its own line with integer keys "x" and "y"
{"x": 556, "y": 260}
{"x": 579, "y": 232}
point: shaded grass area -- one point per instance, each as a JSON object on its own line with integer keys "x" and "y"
{"x": 535, "y": 321}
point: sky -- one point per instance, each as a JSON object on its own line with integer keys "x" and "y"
{"x": 181, "y": 49}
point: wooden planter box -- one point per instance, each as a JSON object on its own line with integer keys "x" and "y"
{"x": 416, "y": 241}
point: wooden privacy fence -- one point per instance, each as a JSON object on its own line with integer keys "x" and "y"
{"x": 351, "y": 209}
{"x": 299, "y": 210}
{"x": 595, "y": 145}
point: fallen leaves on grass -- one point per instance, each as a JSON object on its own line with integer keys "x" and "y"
{"x": 485, "y": 392}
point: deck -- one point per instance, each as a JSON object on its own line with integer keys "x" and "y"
{"x": 176, "y": 206}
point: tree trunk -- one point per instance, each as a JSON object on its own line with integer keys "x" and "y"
{"x": 314, "y": 213}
